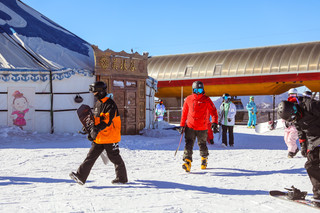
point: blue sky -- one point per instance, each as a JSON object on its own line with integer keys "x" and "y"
{"x": 174, "y": 27}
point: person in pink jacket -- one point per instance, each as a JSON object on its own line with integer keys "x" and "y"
{"x": 290, "y": 131}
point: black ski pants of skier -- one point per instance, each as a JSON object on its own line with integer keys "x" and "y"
{"x": 226, "y": 129}
{"x": 113, "y": 153}
{"x": 190, "y": 136}
{"x": 313, "y": 169}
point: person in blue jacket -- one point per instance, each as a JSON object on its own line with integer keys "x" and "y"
{"x": 252, "y": 113}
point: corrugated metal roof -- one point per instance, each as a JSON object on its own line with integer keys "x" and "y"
{"x": 272, "y": 60}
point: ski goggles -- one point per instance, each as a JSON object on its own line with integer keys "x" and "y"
{"x": 198, "y": 90}
{"x": 226, "y": 97}
{"x": 91, "y": 88}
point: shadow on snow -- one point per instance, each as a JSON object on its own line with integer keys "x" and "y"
{"x": 244, "y": 172}
{"x": 149, "y": 184}
{"x": 6, "y": 180}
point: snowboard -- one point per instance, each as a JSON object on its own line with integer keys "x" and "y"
{"x": 87, "y": 119}
{"x": 283, "y": 196}
{"x": 220, "y": 133}
{"x": 269, "y": 126}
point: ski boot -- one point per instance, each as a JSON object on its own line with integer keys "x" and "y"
{"x": 74, "y": 176}
{"x": 295, "y": 194}
{"x": 187, "y": 165}
{"x": 204, "y": 163}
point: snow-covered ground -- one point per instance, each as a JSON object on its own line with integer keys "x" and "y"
{"x": 35, "y": 167}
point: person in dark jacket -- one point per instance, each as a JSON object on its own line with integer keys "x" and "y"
{"x": 306, "y": 118}
{"x": 105, "y": 135}
{"x": 196, "y": 111}
{"x": 304, "y": 101}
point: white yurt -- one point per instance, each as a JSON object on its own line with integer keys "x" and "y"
{"x": 45, "y": 71}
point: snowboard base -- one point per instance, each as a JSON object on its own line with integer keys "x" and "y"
{"x": 269, "y": 126}
{"x": 283, "y": 196}
{"x": 87, "y": 119}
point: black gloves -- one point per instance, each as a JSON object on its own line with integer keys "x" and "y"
{"x": 215, "y": 128}
{"x": 93, "y": 133}
{"x": 84, "y": 130}
{"x": 304, "y": 149}
{"x": 89, "y": 137}
{"x": 229, "y": 119}
{"x": 181, "y": 129}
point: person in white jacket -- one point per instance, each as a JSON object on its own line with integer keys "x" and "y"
{"x": 227, "y": 119}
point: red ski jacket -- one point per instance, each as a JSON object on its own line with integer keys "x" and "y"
{"x": 196, "y": 111}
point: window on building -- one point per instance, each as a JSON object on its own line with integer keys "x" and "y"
{"x": 188, "y": 71}
{"x": 217, "y": 69}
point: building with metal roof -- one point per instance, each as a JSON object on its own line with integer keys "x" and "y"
{"x": 254, "y": 71}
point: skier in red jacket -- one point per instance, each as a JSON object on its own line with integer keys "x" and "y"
{"x": 196, "y": 111}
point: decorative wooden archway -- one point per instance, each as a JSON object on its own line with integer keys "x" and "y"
{"x": 125, "y": 75}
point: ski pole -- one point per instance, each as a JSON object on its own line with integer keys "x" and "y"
{"x": 178, "y": 145}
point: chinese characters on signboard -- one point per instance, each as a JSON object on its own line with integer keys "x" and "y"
{"x": 117, "y": 63}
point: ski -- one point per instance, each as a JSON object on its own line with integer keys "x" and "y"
{"x": 220, "y": 133}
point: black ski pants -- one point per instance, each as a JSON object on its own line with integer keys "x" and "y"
{"x": 313, "y": 169}
{"x": 190, "y": 136}
{"x": 226, "y": 129}
{"x": 113, "y": 153}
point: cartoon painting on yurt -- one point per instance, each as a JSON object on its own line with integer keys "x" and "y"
{"x": 21, "y": 107}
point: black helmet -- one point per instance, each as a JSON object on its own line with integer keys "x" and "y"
{"x": 100, "y": 87}
{"x": 307, "y": 94}
{"x": 287, "y": 110}
{"x": 197, "y": 85}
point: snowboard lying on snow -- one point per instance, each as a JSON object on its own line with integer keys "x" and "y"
{"x": 269, "y": 126}
{"x": 87, "y": 119}
{"x": 284, "y": 196}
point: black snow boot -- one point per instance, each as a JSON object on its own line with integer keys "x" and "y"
{"x": 292, "y": 154}
{"x": 118, "y": 181}
{"x": 295, "y": 194}
{"x": 74, "y": 176}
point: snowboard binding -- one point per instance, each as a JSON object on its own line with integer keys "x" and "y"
{"x": 272, "y": 125}
{"x": 295, "y": 194}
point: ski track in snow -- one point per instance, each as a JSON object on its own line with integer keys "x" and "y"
{"x": 35, "y": 171}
